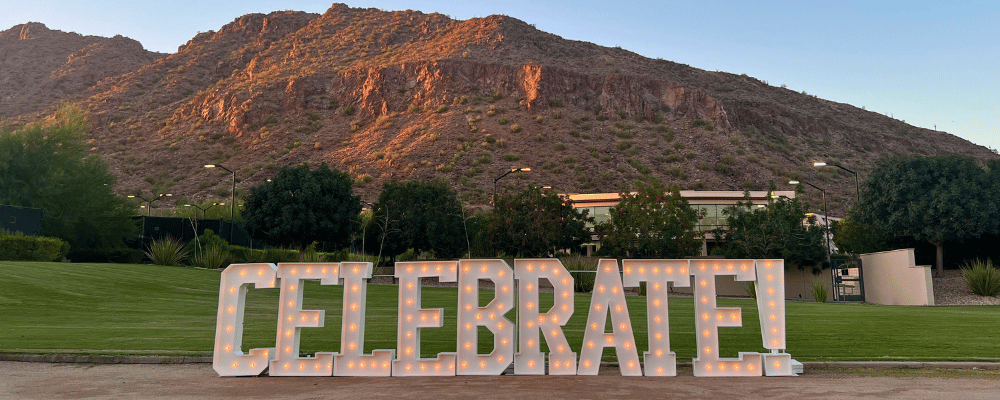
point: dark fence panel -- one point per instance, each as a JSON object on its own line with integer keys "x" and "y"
{"x": 153, "y": 228}
{"x": 28, "y": 221}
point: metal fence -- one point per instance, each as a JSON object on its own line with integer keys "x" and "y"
{"x": 186, "y": 229}
{"x": 28, "y": 221}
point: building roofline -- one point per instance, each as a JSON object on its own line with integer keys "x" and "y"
{"x": 692, "y": 196}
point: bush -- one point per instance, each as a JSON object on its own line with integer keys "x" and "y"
{"x": 982, "y": 277}
{"x": 17, "y": 247}
{"x": 205, "y": 241}
{"x": 311, "y": 255}
{"x": 240, "y": 254}
{"x": 819, "y": 291}
{"x": 213, "y": 257}
{"x": 583, "y": 282}
{"x": 166, "y": 251}
{"x": 704, "y": 124}
{"x": 337, "y": 256}
{"x": 408, "y": 255}
{"x": 750, "y": 288}
{"x": 280, "y": 255}
{"x": 120, "y": 255}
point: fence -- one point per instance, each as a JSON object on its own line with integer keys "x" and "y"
{"x": 28, "y": 221}
{"x": 185, "y": 229}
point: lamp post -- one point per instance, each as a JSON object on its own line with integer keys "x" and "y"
{"x": 826, "y": 216}
{"x": 857, "y": 184}
{"x": 232, "y": 204}
{"x": 204, "y": 211}
{"x": 149, "y": 206}
{"x": 149, "y": 202}
{"x": 512, "y": 170}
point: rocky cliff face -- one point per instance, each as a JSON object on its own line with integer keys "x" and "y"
{"x": 408, "y": 95}
{"x": 39, "y": 66}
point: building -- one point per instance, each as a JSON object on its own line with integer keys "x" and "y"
{"x": 711, "y": 202}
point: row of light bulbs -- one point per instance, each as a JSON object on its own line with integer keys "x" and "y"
{"x": 608, "y": 300}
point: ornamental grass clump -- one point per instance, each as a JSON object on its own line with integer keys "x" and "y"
{"x": 213, "y": 257}
{"x": 583, "y": 282}
{"x": 166, "y": 251}
{"x": 819, "y": 291}
{"x": 982, "y": 277}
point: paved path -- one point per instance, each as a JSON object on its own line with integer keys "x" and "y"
{"x": 25, "y": 380}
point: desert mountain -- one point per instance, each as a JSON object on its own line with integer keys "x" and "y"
{"x": 408, "y": 95}
{"x": 39, "y": 66}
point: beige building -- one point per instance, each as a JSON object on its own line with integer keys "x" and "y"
{"x": 712, "y": 202}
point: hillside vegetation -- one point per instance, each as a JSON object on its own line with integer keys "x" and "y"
{"x": 408, "y": 95}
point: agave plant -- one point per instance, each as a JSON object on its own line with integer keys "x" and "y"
{"x": 166, "y": 251}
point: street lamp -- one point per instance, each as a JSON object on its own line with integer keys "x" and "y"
{"x": 149, "y": 202}
{"x": 149, "y": 206}
{"x": 826, "y": 216}
{"x": 857, "y": 184}
{"x": 232, "y": 205}
{"x": 204, "y": 211}
{"x": 512, "y": 170}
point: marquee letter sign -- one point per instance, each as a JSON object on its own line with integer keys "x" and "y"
{"x": 229, "y": 359}
{"x": 471, "y": 317}
{"x": 608, "y": 298}
{"x": 352, "y": 361}
{"x": 412, "y": 318}
{"x": 292, "y": 318}
{"x": 607, "y": 306}
{"x": 659, "y": 360}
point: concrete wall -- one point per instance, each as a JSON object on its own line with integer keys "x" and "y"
{"x": 798, "y": 285}
{"x": 892, "y": 278}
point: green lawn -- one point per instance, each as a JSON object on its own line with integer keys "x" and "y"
{"x": 119, "y": 309}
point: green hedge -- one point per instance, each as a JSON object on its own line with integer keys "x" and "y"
{"x": 17, "y": 247}
{"x": 121, "y": 255}
{"x": 242, "y": 255}
{"x": 281, "y": 255}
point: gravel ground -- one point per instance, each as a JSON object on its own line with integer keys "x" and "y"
{"x": 23, "y": 380}
{"x": 950, "y": 290}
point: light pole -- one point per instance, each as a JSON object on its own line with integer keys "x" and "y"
{"x": 826, "y": 216}
{"x": 232, "y": 204}
{"x": 149, "y": 202}
{"x": 857, "y": 184}
{"x": 204, "y": 211}
{"x": 149, "y": 206}
{"x": 512, "y": 170}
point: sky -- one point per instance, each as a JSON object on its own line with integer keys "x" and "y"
{"x": 933, "y": 64}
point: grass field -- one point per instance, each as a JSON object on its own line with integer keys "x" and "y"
{"x": 117, "y": 309}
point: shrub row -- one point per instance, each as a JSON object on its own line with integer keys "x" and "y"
{"x": 122, "y": 255}
{"x": 17, "y": 247}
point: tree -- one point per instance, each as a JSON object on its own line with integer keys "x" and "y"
{"x": 653, "y": 222}
{"x": 419, "y": 215}
{"x": 536, "y": 224}
{"x": 934, "y": 199}
{"x": 47, "y": 166}
{"x": 774, "y": 231}
{"x": 300, "y": 206}
{"x": 852, "y": 237}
